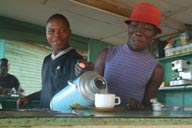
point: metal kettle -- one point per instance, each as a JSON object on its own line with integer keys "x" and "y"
{"x": 80, "y": 92}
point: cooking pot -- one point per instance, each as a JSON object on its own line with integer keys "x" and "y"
{"x": 80, "y": 93}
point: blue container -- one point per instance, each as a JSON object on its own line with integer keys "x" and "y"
{"x": 79, "y": 93}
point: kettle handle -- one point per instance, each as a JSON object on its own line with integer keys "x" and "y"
{"x": 71, "y": 83}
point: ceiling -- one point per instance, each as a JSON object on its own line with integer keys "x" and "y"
{"x": 98, "y": 19}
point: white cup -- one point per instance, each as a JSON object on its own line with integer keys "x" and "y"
{"x": 106, "y": 100}
{"x": 157, "y": 107}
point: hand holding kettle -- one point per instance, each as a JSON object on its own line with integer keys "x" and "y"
{"x": 83, "y": 66}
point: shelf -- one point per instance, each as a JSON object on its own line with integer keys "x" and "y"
{"x": 175, "y": 87}
{"x": 176, "y": 56}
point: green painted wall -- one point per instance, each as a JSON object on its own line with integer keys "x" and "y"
{"x": 94, "y": 47}
{"x": 2, "y": 48}
{"x": 176, "y": 96}
{"x": 12, "y": 29}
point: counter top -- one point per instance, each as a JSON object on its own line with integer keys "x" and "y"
{"x": 92, "y": 114}
{"x": 93, "y": 117}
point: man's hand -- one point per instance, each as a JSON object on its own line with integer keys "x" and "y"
{"x": 22, "y": 102}
{"x": 134, "y": 104}
{"x": 83, "y": 66}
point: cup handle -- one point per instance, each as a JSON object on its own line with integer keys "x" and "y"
{"x": 117, "y": 100}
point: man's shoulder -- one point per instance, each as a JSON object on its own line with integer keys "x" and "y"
{"x": 47, "y": 57}
{"x": 114, "y": 50}
{"x": 116, "y": 47}
{"x": 10, "y": 76}
{"x": 74, "y": 54}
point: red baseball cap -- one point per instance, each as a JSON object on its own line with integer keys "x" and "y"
{"x": 147, "y": 13}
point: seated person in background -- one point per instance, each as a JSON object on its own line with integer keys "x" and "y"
{"x": 8, "y": 81}
{"x": 58, "y": 67}
{"x": 130, "y": 70}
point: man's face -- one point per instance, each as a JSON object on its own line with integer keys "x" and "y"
{"x": 3, "y": 68}
{"x": 140, "y": 35}
{"x": 58, "y": 34}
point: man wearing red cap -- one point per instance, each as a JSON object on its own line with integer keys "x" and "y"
{"x": 130, "y": 70}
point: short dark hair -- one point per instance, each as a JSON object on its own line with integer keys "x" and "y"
{"x": 58, "y": 16}
{"x": 4, "y": 59}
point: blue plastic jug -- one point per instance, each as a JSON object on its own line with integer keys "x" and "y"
{"x": 79, "y": 93}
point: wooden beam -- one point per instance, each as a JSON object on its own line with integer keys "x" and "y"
{"x": 125, "y": 11}
{"x": 106, "y": 5}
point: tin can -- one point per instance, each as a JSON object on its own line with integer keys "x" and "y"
{"x": 185, "y": 38}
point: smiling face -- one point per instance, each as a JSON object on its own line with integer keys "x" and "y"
{"x": 140, "y": 35}
{"x": 58, "y": 34}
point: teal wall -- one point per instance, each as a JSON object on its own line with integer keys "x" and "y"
{"x": 176, "y": 96}
{"x": 94, "y": 47}
{"x": 2, "y": 48}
